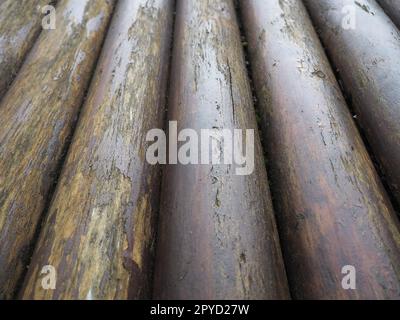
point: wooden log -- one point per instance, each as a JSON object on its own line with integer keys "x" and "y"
{"x": 392, "y": 9}
{"x": 217, "y": 232}
{"x": 37, "y": 115}
{"x": 100, "y": 231}
{"x": 367, "y": 59}
{"x": 331, "y": 206}
{"x": 20, "y": 25}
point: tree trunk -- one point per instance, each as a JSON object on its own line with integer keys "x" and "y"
{"x": 392, "y": 9}
{"x": 37, "y": 115}
{"x": 217, "y": 232}
{"x": 20, "y": 25}
{"x": 331, "y": 206}
{"x": 367, "y": 58}
{"x": 99, "y": 234}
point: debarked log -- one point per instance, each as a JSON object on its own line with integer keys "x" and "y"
{"x": 37, "y": 115}
{"x": 392, "y": 9}
{"x": 217, "y": 233}
{"x": 20, "y": 25}
{"x": 100, "y": 231}
{"x": 364, "y": 46}
{"x": 332, "y": 209}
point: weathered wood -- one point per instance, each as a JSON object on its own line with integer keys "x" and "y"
{"x": 20, "y": 25}
{"x": 367, "y": 59}
{"x": 37, "y": 115}
{"x": 217, "y": 232}
{"x": 331, "y": 206}
{"x": 392, "y": 9}
{"x": 100, "y": 231}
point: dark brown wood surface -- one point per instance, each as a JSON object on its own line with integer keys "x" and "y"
{"x": 217, "y": 233}
{"x": 367, "y": 59}
{"x": 392, "y": 9}
{"x": 332, "y": 209}
{"x": 37, "y": 115}
{"x": 100, "y": 231}
{"x": 20, "y": 25}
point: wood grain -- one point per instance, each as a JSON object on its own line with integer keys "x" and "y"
{"x": 367, "y": 59}
{"x": 100, "y": 231}
{"x": 331, "y": 206}
{"x": 37, "y": 115}
{"x": 217, "y": 231}
{"x": 20, "y": 25}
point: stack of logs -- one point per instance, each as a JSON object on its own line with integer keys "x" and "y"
{"x": 76, "y": 191}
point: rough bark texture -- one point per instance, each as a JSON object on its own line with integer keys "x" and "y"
{"x": 392, "y": 9}
{"x": 332, "y": 209}
{"x": 367, "y": 59}
{"x": 37, "y": 115}
{"x": 20, "y": 24}
{"x": 99, "y": 234}
{"x": 217, "y": 232}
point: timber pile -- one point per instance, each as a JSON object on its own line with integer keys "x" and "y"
{"x": 18, "y": 32}
{"x": 333, "y": 208}
{"x": 110, "y": 239}
{"x": 37, "y": 117}
{"x": 78, "y": 193}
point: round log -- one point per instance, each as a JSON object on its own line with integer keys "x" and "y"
{"x": 100, "y": 231}
{"x": 37, "y": 115}
{"x": 217, "y": 231}
{"x": 364, "y": 46}
{"x": 20, "y": 25}
{"x": 392, "y": 9}
{"x": 332, "y": 209}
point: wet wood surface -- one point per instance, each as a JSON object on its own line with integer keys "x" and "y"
{"x": 20, "y": 25}
{"x": 100, "y": 231}
{"x": 37, "y": 115}
{"x": 332, "y": 209}
{"x": 78, "y": 193}
{"x": 367, "y": 59}
{"x": 217, "y": 233}
{"x": 392, "y": 9}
